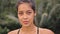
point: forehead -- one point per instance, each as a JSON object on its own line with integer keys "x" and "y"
{"x": 24, "y": 6}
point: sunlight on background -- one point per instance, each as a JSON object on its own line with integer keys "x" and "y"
{"x": 48, "y": 15}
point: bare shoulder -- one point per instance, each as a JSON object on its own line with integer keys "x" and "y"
{"x": 13, "y": 32}
{"x": 45, "y": 31}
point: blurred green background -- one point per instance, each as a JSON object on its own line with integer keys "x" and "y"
{"x": 48, "y": 15}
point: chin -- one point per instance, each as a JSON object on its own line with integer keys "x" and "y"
{"x": 26, "y": 25}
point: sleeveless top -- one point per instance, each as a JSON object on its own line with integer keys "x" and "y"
{"x": 37, "y": 31}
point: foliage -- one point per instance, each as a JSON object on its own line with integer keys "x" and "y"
{"x": 48, "y": 15}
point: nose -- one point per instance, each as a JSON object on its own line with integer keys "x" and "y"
{"x": 25, "y": 16}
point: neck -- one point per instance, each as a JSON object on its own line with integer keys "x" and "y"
{"x": 28, "y": 28}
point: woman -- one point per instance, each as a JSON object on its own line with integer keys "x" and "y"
{"x": 26, "y": 13}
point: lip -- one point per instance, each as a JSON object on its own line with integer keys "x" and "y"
{"x": 25, "y": 22}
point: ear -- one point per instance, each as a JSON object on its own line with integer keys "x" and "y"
{"x": 35, "y": 13}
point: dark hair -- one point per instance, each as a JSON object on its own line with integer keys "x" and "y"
{"x": 26, "y": 1}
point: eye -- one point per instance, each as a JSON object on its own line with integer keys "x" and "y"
{"x": 20, "y": 13}
{"x": 29, "y": 12}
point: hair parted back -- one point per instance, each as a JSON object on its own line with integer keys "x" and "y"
{"x": 31, "y": 2}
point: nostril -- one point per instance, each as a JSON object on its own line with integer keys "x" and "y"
{"x": 25, "y": 17}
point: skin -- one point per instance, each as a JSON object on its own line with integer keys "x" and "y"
{"x": 26, "y": 16}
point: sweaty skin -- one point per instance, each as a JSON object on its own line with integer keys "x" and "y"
{"x": 26, "y": 16}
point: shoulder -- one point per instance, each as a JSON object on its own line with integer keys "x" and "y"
{"x": 45, "y": 31}
{"x": 13, "y": 32}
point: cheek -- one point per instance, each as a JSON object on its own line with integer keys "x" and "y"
{"x": 19, "y": 18}
{"x": 31, "y": 17}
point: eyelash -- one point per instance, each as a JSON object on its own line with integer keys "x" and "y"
{"x": 20, "y": 13}
{"x": 29, "y": 12}
{"x": 26, "y": 13}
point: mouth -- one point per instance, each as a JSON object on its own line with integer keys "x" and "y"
{"x": 25, "y": 22}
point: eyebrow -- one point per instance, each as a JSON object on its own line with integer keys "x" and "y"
{"x": 20, "y": 11}
{"x": 27, "y": 10}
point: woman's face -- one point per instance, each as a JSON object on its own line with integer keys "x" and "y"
{"x": 25, "y": 14}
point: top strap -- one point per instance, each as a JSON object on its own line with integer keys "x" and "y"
{"x": 18, "y": 31}
{"x": 37, "y": 30}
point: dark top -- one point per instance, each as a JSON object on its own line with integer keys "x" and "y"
{"x": 37, "y": 31}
